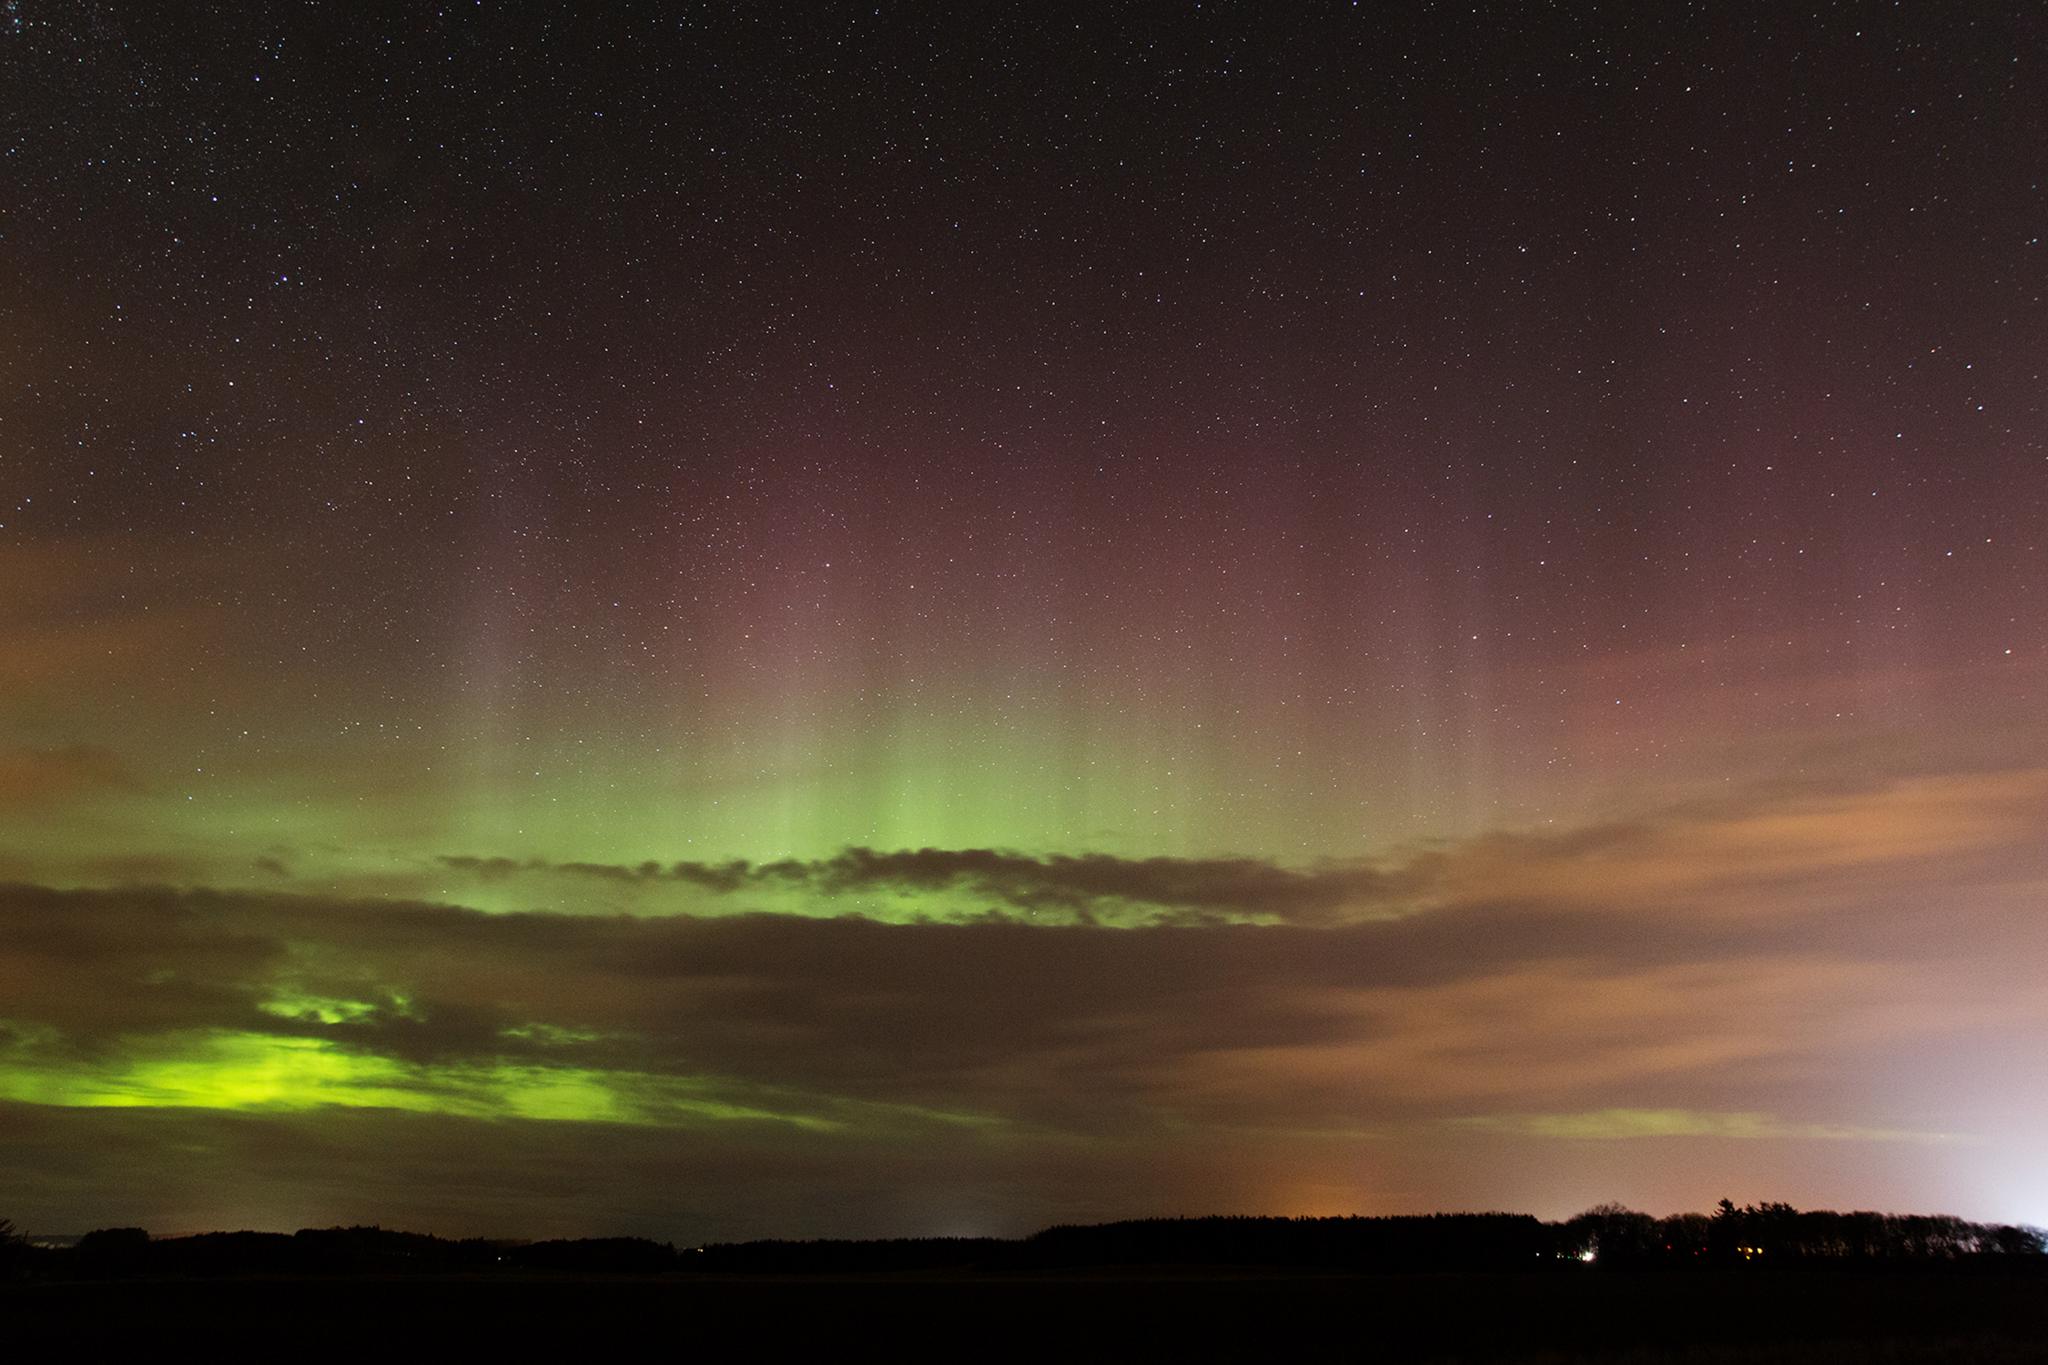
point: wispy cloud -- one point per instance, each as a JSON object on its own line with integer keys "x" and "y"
{"x": 1763, "y": 852}
{"x": 1077, "y": 885}
{"x": 1605, "y": 1125}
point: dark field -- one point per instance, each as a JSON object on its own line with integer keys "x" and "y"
{"x": 1739, "y": 1315}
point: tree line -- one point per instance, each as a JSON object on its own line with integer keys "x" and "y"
{"x": 1602, "y": 1238}
{"x": 1779, "y": 1233}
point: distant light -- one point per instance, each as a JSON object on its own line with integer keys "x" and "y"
{"x": 1585, "y": 1255}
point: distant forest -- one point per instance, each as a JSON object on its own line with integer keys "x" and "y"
{"x": 1607, "y": 1237}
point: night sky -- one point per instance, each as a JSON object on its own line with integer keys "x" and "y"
{"x": 800, "y": 620}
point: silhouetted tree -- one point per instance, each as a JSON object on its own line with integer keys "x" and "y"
{"x": 2018, "y": 1241}
{"x": 14, "y": 1251}
{"x": 106, "y": 1252}
{"x": 1685, "y": 1237}
{"x": 1616, "y": 1235}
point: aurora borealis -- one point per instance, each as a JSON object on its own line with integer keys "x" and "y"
{"x": 828, "y": 620}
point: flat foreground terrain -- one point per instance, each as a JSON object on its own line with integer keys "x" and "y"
{"x": 1693, "y": 1317}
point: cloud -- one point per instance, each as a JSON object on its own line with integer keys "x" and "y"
{"x": 1076, "y": 885}
{"x": 1775, "y": 845}
{"x": 1624, "y": 1124}
{"x": 1761, "y": 852}
{"x": 1766, "y": 974}
{"x": 755, "y": 1074}
{"x": 1506, "y": 1007}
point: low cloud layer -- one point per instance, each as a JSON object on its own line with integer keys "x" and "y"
{"x": 1849, "y": 970}
{"x": 1757, "y": 853}
{"x": 1078, "y": 886}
